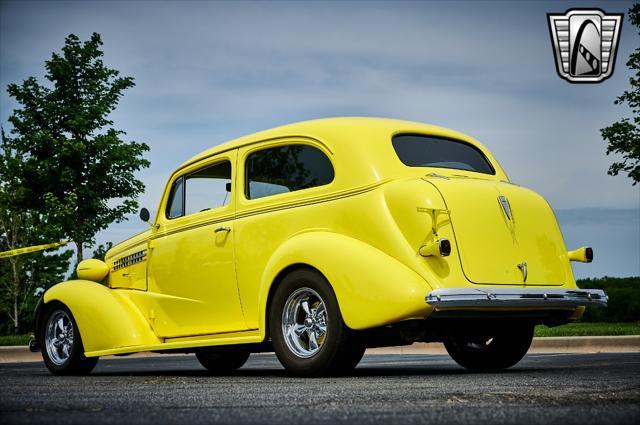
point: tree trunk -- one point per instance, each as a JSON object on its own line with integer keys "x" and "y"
{"x": 78, "y": 252}
{"x": 16, "y": 320}
{"x": 16, "y": 294}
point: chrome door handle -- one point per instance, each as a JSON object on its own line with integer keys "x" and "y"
{"x": 222, "y": 229}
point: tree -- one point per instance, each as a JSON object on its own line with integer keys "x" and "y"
{"x": 21, "y": 275}
{"x": 79, "y": 171}
{"x": 101, "y": 251}
{"x": 623, "y": 136}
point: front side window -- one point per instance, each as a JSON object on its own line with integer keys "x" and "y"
{"x": 427, "y": 151}
{"x": 286, "y": 169}
{"x": 201, "y": 190}
{"x": 176, "y": 199}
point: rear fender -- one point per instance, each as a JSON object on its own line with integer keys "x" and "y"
{"x": 106, "y": 319}
{"x": 372, "y": 288}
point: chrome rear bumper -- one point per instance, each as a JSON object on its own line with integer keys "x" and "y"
{"x": 461, "y": 298}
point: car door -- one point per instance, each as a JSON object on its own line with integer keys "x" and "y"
{"x": 191, "y": 272}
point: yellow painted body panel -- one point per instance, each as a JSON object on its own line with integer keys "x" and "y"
{"x": 362, "y": 231}
{"x": 192, "y": 283}
{"x": 359, "y": 274}
{"x": 129, "y": 271}
{"x": 107, "y": 319}
{"x": 230, "y": 338}
{"x": 492, "y": 243}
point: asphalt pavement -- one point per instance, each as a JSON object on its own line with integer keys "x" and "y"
{"x": 403, "y": 389}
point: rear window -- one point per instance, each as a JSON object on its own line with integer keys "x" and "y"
{"x": 427, "y": 151}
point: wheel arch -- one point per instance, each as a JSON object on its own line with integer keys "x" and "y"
{"x": 106, "y": 319}
{"x": 276, "y": 282}
{"x": 37, "y": 319}
{"x": 372, "y": 288}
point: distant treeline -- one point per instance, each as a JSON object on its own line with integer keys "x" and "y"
{"x": 624, "y": 299}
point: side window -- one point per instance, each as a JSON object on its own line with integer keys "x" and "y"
{"x": 208, "y": 188}
{"x": 201, "y": 190}
{"x": 286, "y": 169}
{"x": 176, "y": 199}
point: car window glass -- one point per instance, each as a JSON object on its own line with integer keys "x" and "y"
{"x": 176, "y": 204}
{"x": 261, "y": 189}
{"x": 425, "y": 151}
{"x": 207, "y": 188}
{"x": 286, "y": 169}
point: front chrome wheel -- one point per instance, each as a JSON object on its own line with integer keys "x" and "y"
{"x": 61, "y": 342}
{"x": 59, "y": 337}
{"x": 304, "y": 322}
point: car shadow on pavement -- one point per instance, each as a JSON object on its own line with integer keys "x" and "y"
{"x": 360, "y": 372}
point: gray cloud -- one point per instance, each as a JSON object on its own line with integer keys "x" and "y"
{"x": 207, "y": 72}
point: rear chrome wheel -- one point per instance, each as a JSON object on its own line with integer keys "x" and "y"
{"x": 61, "y": 344}
{"x": 304, "y": 322}
{"x": 307, "y": 330}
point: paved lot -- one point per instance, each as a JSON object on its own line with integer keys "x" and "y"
{"x": 405, "y": 389}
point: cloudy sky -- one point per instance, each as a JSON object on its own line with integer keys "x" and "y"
{"x": 207, "y": 72}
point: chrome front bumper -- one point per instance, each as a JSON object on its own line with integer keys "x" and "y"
{"x": 461, "y": 298}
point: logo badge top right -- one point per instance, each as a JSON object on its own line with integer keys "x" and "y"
{"x": 585, "y": 42}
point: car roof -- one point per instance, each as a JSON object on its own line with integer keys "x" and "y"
{"x": 350, "y": 129}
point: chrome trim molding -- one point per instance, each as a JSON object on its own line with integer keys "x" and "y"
{"x": 456, "y": 298}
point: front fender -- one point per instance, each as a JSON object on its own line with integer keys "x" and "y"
{"x": 372, "y": 288}
{"x": 106, "y": 318}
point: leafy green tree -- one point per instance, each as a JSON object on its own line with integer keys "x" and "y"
{"x": 80, "y": 172}
{"x": 101, "y": 251}
{"x": 624, "y": 299}
{"x": 21, "y": 275}
{"x": 623, "y": 136}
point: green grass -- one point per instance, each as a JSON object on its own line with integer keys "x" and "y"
{"x": 590, "y": 329}
{"x": 15, "y": 339}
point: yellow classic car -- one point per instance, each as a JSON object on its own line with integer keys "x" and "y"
{"x": 317, "y": 240}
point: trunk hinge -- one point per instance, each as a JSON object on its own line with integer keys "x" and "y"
{"x": 433, "y": 212}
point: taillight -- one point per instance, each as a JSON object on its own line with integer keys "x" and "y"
{"x": 588, "y": 253}
{"x": 445, "y": 247}
{"x": 440, "y": 247}
{"x": 583, "y": 254}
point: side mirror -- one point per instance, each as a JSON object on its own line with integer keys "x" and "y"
{"x": 144, "y": 215}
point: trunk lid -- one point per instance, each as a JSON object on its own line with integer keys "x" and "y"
{"x": 505, "y": 234}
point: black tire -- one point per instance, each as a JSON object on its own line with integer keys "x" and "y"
{"x": 76, "y": 363}
{"x": 223, "y": 360}
{"x": 341, "y": 349}
{"x": 498, "y": 350}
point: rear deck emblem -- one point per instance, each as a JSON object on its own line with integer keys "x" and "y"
{"x": 585, "y": 42}
{"x": 504, "y": 202}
